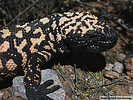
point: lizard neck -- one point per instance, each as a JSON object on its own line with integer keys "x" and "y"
{"x": 56, "y": 34}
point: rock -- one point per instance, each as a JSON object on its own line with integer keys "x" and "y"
{"x": 121, "y": 57}
{"x": 51, "y": 74}
{"x": 18, "y": 86}
{"x": 119, "y": 28}
{"x": 129, "y": 66}
{"x": 111, "y": 74}
{"x": 46, "y": 75}
{"x": 130, "y": 89}
{"x": 118, "y": 67}
{"x": 109, "y": 67}
{"x": 1, "y": 94}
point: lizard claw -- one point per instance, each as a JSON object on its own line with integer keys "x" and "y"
{"x": 42, "y": 91}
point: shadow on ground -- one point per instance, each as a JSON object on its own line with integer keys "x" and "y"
{"x": 89, "y": 61}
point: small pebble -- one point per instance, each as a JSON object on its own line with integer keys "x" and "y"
{"x": 130, "y": 89}
{"x": 111, "y": 74}
{"x": 1, "y": 94}
{"x": 129, "y": 66}
{"x": 18, "y": 84}
{"x": 109, "y": 66}
{"x": 119, "y": 28}
{"x": 121, "y": 57}
{"x": 118, "y": 67}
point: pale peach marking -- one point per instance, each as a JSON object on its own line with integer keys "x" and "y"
{"x": 36, "y": 75}
{"x": 4, "y": 46}
{"x": 25, "y": 72}
{"x": 11, "y": 65}
{"x": 47, "y": 47}
{"x": 24, "y": 55}
{"x": 59, "y": 37}
{"x": 10, "y": 74}
{"x": 28, "y": 28}
{"x": 35, "y": 41}
{"x": 45, "y": 56}
{"x": 90, "y": 16}
{"x": 63, "y": 36}
{"x": 83, "y": 28}
{"x": 19, "y": 34}
{"x": 22, "y": 26}
{"x": 62, "y": 51}
{"x": 2, "y": 73}
{"x": 69, "y": 13}
{"x": 38, "y": 69}
{"x": 44, "y": 20}
{"x": 36, "y": 81}
{"x": 52, "y": 46}
{"x": 51, "y": 36}
{"x": 37, "y": 30}
{"x": 1, "y": 66}
{"x": 5, "y": 32}
{"x": 54, "y": 25}
{"x": 63, "y": 19}
{"x": 72, "y": 27}
{"x": 94, "y": 22}
{"x": 28, "y": 78}
{"x": 19, "y": 50}
{"x": 35, "y": 24}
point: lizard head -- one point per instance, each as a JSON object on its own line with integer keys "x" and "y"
{"x": 86, "y": 31}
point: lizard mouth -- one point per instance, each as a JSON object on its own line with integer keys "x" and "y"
{"x": 103, "y": 42}
{"x": 100, "y": 46}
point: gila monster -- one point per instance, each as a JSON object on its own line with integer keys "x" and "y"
{"x": 26, "y": 47}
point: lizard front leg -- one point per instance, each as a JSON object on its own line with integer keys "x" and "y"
{"x": 32, "y": 78}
